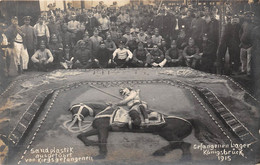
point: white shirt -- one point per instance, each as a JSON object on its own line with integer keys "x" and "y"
{"x": 122, "y": 54}
{"x": 42, "y": 30}
{"x": 42, "y": 56}
{"x": 73, "y": 25}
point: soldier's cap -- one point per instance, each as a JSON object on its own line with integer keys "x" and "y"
{"x": 49, "y": 5}
{"x": 204, "y": 35}
{"x": 69, "y": 3}
{"x": 27, "y": 18}
{"x": 3, "y": 25}
{"x": 14, "y": 18}
{"x": 235, "y": 16}
{"x": 42, "y": 42}
{"x": 121, "y": 42}
{"x": 173, "y": 42}
{"x": 81, "y": 42}
{"x": 67, "y": 46}
{"x": 140, "y": 44}
{"x": 53, "y": 36}
{"x": 191, "y": 38}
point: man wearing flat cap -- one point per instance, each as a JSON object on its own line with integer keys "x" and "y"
{"x": 30, "y": 38}
{"x": 42, "y": 31}
{"x": 15, "y": 36}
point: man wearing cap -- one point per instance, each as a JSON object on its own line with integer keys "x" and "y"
{"x": 91, "y": 23}
{"x": 42, "y": 58}
{"x": 191, "y": 54}
{"x": 42, "y": 31}
{"x": 156, "y": 57}
{"x": 54, "y": 27}
{"x": 102, "y": 56}
{"x": 140, "y": 56}
{"x": 30, "y": 38}
{"x": 197, "y": 27}
{"x": 157, "y": 38}
{"x": 173, "y": 56}
{"x": 16, "y": 36}
{"x": 110, "y": 45}
{"x": 66, "y": 58}
{"x": 56, "y": 49}
{"x": 121, "y": 56}
{"x": 245, "y": 35}
{"x": 208, "y": 54}
{"x": 83, "y": 57}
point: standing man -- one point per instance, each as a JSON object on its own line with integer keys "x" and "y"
{"x": 15, "y": 36}
{"x": 42, "y": 32}
{"x": 73, "y": 27}
{"x": 246, "y": 44}
{"x": 30, "y": 38}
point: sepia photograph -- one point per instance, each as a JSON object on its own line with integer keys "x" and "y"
{"x": 130, "y": 82}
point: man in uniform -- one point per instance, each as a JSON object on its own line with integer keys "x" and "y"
{"x": 173, "y": 56}
{"x": 156, "y": 57}
{"x": 208, "y": 55}
{"x": 191, "y": 54}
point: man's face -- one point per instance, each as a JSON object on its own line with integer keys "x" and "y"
{"x": 234, "y": 20}
{"x": 42, "y": 47}
{"x": 102, "y": 46}
{"x": 14, "y": 21}
{"x": 86, "y": 38}
{"x": 54, "y": 39}
{"x": 173, "y": 45}
{"x": 191, "y": 42}
{"x": 27, "y": 22}
{"x": 155, "y": 48}
{"x": 41, "y": 21}
{"x": 204, "y": 38}
{"x": 96, "y": 33}
{"x": 125, "y": 92}
{"x": 121, "y": 46}
{"x": 82, "y": 46}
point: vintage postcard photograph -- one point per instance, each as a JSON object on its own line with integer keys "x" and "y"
{"x": 130, "y": 82}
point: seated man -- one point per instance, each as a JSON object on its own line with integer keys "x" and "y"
{"x": 140, "y": 56}
{"x": 56, "y": 49}
{"x": 121, "y": 56}
{"x": 103, "y": 56}
{"x": 134, "y": 103}
{"x": 83, "y": 57}
{"x": 42, "y": 58}
{"x": 173, "y": 56}
{"x": 191, "y": 54}
{"x": 66, "y": 60}
{"x": 156, "y": 57}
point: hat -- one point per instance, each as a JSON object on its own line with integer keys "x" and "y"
{"x": 235, "y": 16}
{"x": 3, "y": 25}
{"x": 121, "y": 42}
{"x": 27, "y": 18}
{"x": 42, "y": 42}
{"x": 67, "y": 46}
{"x": 53, "y": 36}
{"x": 14, "y": 18}
{"x": 204, "y": 35}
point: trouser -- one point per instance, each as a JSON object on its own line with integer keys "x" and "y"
{"x": 42, "y": 38}
{"x": 42, "y": 67}
{"x": 245, "y": 58}
{"x": 30, "y": 53}
{"x": 21, "y": 56}
{"x": 134, "y": 114}
{"x": 193, "y": 63}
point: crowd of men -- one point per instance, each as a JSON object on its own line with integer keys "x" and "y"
{"x": 131, "y": 36}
